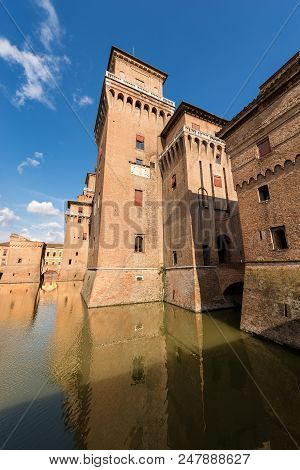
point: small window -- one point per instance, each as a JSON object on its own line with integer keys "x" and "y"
{"x": 60, "y": 253}
{"x": 138, "y": 161}
{"x": 79, "y": 220}
{"x": 84, "y": 236}
{"x": 48, "y": 253}
{"x": 70, "y": 261}
{"x": 138, "y": 197}
{"x": 1, "y": 274}
{"x": 19, "y": 260}
{"x": 76, "y": 253}
{"x": 217, "y": 181}
{"x": 139, "y": 278}
{"x": 54, "y": 253}
{"x": 174, "y": 182}
{"x": 195, "y": 126}
{"x": 139, "y": 244}
{"x": 140, "y": 141}
{"x": 206, "y": 255}
{"x": 46, "y": 262}
{"x": 80, "y": 209}
{"x": 263, "y": 193}
{"x": 218, "y": 158}
{"x": 174, "y": 255}
{"x": 279, "y": 238}
{"x": 264, "y": 147}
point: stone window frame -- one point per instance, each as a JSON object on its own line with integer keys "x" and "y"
{"x": 261, "y": 201}
{"x": 272, "y": 231}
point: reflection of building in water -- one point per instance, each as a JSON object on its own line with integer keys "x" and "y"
{"x": 18, "y": 303}
{"x": 186, "y": 414}
{"x": 114, "y": 376}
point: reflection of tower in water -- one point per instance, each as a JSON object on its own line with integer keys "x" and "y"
{"x": 18, "y": 303}
{"x": 111, "y": 365}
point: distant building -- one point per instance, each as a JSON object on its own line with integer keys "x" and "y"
{"x": 53, "y": 256}
{"x": 24, "y": 260}
{"x": 76, "y": 244}
{"x": 263, "y": 142}
{"x": 4, "y": 247}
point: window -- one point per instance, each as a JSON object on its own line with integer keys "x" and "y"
{"x": 84, "y": 236}
{"x": 54, "y": 253}
{"x": 218, "y": 158}
{"x": 152, "y": 164}
{"x": 279, "y": 238}
{"x": 174, "y": 255}
{"x": 76, "y": 253}
{"x": 80, "y": 209}
{"x": 70, "y": 261}
{"x": 138, "y": 197}
{"x": 19, "y": 260}
{"x": 1, "y": 274}
{"x": 46, "y": 262}
{"x": 206, "y": 255}
{"x": 139, "y": 244}
{"x": 138, "y": 161}
{"x": 79, "y": 220}
{"x": 140, "y": 141}
{"x": 263, "y": 193}
{"x": 217, "y": 181}
{"x": 48, "y": 253}
{"x": 60, "y": 253}
{"x": 264, "y": 147}
{"x": 4, "y": 252}
{"x": 174, "y": 182}
{"x": 196, "y": 127}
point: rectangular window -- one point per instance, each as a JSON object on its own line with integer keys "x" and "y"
{"x": 4, "y": 252}
{"x": 140, "y": 141}
{"x": 263, "y": 193}
{"x": 76, "y": 253}
{"x": 70, "y": 261}
{"x": 174, "y": 182}
{"x": 217, "y": 181}
{"x": 54, "y": 253}
{"x": 84, "y": 236}
{"x": 264, "y": 147}
{"x": 19, "y": 260}
{"x": 48, "y": 253}
{"x": 174, "y": 256}
{"x": 139, "y": 243}
{"x": 79, "y": 220}
{"x": 279, "y": 238}
{"x": 138, "y": 197}
{"x": 195, "y": 126}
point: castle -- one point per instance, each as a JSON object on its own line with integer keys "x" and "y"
{"x": 185, "y": 207}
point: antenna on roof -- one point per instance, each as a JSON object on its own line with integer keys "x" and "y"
{"x": 132, "y": 50}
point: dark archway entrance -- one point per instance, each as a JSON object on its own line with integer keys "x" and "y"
{"x": 234, "y": 293}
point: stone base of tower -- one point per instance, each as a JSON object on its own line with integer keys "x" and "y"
{"x": 202, "y": 288}
{"x": 121, "y": 286}
{"x": 271, "y": 306}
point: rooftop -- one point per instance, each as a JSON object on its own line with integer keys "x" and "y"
{"x": 186, "y": 108}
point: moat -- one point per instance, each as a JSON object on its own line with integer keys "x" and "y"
{"x": 147, "y": 376}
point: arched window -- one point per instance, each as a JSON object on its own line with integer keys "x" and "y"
{"x": 137, "y": 105}
{"x": 120, "y": 97}
{"x": 154, "y": 111}
{"x": 112, "y": 93}
{"x": 129, "y": 100}
{"x": 139, "y": 243}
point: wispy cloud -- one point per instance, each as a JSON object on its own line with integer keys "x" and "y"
{"x": 42, "y": 208}
{"x": 31, "y": 162}
{"x": 48, "y": 226}
{"x": 6, "y": 216}
{"x": 41, "y": 73}
{"x": 83, "y": 100}
{"x": 50, "y": 29}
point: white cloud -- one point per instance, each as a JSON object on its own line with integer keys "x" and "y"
{"x": 6, "y": 216}
{"x": 50, "y": 225}
{"x": 54, "y": 237}
{"x": 42, "y": 208}
{"x": 31, "y": 162}
{"x": 50, "y": 29}
{"x": 82, "y": 100}
{"x": 41, "y": 73}
{"x": 51, "y": 236}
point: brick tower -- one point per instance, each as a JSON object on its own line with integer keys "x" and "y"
{"x": 126, "y": 238}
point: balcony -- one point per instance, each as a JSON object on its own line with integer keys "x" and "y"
{"x": 140, "y": 89}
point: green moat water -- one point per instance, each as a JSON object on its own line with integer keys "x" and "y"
{"x": 148, "y": 376}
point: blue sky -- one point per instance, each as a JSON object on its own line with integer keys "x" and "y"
{"x": 53, "y": 54}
